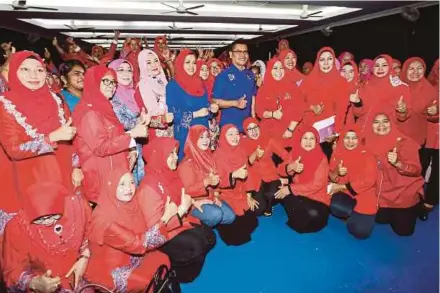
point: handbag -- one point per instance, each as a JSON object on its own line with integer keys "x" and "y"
{"x": 164, "y": 281}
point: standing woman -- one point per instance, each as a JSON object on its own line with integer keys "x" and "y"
{"x": 345, "y": 116}
{"x": 305, "y": 200}
{"x": 307, "y": 68}
{"x": 401, "y": 183}
{"x": 101, "y": 141}
{"x": 365, "y": 70}
{"x": 187, "y": 98}
{"x": 72, "y": 75}
{"x": 130, "y": 52}
{"x": 289, "y": 59}
{"x": 215, "y": 67}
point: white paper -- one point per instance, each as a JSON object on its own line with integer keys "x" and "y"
{"x": 325, "y": 127}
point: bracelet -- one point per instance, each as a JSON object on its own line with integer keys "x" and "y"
{"x": 271, "y": 114}
{"x": 290, "y": 130}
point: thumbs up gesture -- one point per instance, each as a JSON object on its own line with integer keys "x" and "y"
{"x": 242, "y": 103}
{"x": 260, "y": 152}
{"x": 296, "y": 166}
{"x": 240, "y": 173}
{"x": 393, "y": 156}
{"x": 401, "y": 106}
{"x": 212, "y": 179}
{"x": 342, "y": 171}
{"x": 433, "y": 109}
{"x": 354, "y": 98}
{"x": 46, "y": 54}
{"x": 278, "y": 114}
{"x": 65, "y": 133}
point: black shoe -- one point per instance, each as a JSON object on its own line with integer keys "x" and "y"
{"x": 424, "y": 216}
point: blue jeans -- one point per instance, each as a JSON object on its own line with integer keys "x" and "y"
{"x": 213, "y": 214}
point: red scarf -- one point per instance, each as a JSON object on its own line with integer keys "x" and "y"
{"x": 38, "y": 106}
{"x": 433, "y": 75}
{"x": 229, "y": 157}
{"x": 158, "y": 175}
{"x": 158, "y": 50}
{"x": 354, "y": 84}
{"x": 250, "y": 144}
{"x": 191, "y": 84}
{"x": 209, "y": 82}
{"x": 202, "y": 159}
{"x": 291, "y": 74}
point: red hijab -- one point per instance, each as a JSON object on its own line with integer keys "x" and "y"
{"x": 112, "y": 211}
{"x": 229, "y": 157}
{"x": 433, "y": 75}
{"x": 158, "y": 175}
{"x": 252, "y": 144}
{"x": 93, "y": 99}
{"x": 209, "y": 82}
{"x": 38, "y": 106}
{"x": 191, "y": 84}
{"x": 272, "y": 87}
{"x": 202, "y": 159}
{"x": 291, "y": 74}
{"x": 311, "y": 159}
{"x": 308, "y": 65}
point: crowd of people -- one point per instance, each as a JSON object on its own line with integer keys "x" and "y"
{"x": 112, "y": 167}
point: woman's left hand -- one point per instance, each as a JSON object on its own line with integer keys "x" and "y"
{"x": 282, "y": 192}
{"x": 287, "y": 134}
{"x": 78, "y": 270}
{"x": 77, "y": 177}
{"x": 252, "y": 203}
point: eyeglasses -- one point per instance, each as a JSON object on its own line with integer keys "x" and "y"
{"x": 241, "y": 52}
{"x": 252, "y": 128}
{"x": 108, "y": 82}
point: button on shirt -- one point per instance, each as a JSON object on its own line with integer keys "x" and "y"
{"x": 232, "y": 84}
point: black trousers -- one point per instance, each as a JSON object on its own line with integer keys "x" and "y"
{"x": 359, "y": 225}
{"x": 267, "y": 194}
{"x": 187, "y": 252}
{"x": 402, "y": 221}
{"x": 432, "y": 187}
{"x": 240, "y": 231}
{"x": 305, "y": 215}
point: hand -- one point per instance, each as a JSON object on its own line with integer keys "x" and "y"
{"x": 64, "y": 133}
{"x": 213, "y": 108}
{"x": 201, "y": 113}
{"x": 278, "y": 114}
{"x": 212, "y": 179}
{"x": 240, "y": 173}
{"x": 117, "y": 34}
{"x": 342, "y": 171}
{"x": 217, "y": 200}
{"x": 45, "y": 283}
{"x": 241, "y": 103}
{"x": 331, "y": 138}
{"x": 132, "y": 158}
{"x": 284, "y": 181}
{"x": 6, "y": 46}
{"x": 335, "y": 188}
{"x": 169, "y": 118}
{"x": 433, "y": 109}
{"x": 354, "y": 98}
{"x": 200, "y": 53}
{"x": 77, "y": 177}
{"x": 78, "y": 269}
{"x": 166, "y": 53}
{"x": 252, "y": 203}
{"x": 140, "y": 130}
{"x": 55, "y": 42}
{"x": 260, "y": 152}
{"x": 46, "y": 54}
{"x": 199, "y": 203}
{"x": 287, "y": 134}
{"x": 143, "y": 117}
{"x": 282, "y": 192}
{"x": 185, "y": 203}
{"x": 393, "y": 157}
{"x": 170, "y": 210}
{"x": 296, "y": 166}
{"x": 401, "y": 106}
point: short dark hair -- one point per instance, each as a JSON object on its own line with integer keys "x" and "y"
{"x": 67, "y": 66}
{"x": 237, "y": 42}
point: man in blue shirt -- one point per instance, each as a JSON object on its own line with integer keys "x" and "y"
{"x": 234, "y": 88}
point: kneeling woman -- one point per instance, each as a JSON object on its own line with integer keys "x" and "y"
{"x": 235, "y": 188}
{"x": 401, "y": 183}
{"x": 121, "y": 244}
{"x": 353, "y": 171}
{"x": 189, "y": 243}
{"x": 45, "y": 246}
{"x": 199, "y": 174}
{"x": 305, "y": 200}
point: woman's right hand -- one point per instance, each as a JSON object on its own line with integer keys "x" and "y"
{"x": 203, "y": 112}
{"x": 170, "y": 211}
{"x": 240, "y": 173}
{"x": 64, "y": 133}
{"x": 45, "y": 283}
{"x": 169, "y": 117}
{"x": 140, "y": 130}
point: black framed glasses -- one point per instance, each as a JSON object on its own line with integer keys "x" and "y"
{"x": 108, "y": 82}
{"x": 252, "y": 128}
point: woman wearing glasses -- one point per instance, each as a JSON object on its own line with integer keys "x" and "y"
{"x": 101, "y": 141}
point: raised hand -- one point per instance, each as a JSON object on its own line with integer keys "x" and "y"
{"x": 296, "y": 166}
{"x": 401, "y": 106}
{"x": 433, "y": 109}
{"x": 393, "y": 157}
{"x": 354, "y": 98}
{"x": 278, "y": 114}
{"x": 342, "y": 171}
{"x": 46, "y": 54}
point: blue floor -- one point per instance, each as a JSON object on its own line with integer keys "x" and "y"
{"x": 278, "y": 260}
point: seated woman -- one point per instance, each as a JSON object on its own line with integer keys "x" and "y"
{"x": 45, "y": 246}
{"x": 353, "y": 171}
{"x": 199, "y": 174}
{"x": 123, "y": 256}
{"x": 401, "y": 181}
{"x": 235, "y": 188}
{"x": 305, "y": 200}
{"x": 188, "y": 243}
{"x": 260, "y": 148}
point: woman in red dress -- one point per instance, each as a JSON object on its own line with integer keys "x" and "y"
{"x": 289, "y": 59}
{"x": 130, "y": 52}
{"x": 189, "y": 242}
{"x": 305, "y": 200}
{"x": 123, "y": 249}
{"x": 353, "y": 171}
{"x": 101, "y": 141}
{"x": 400, "y": 183}
{"x": 45, "y": 246}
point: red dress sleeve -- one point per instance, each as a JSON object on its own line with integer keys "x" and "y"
{"x": 96, "y": 136}
{"x": 319, "y": 181}
{"x": 408, "y": 155}
{"x": 262, "y": 103}
{"x": 109, "y": 55}
{"x": 192, "y": 180}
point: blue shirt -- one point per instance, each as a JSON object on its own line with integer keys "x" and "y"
{"x": 232, "y": 84}
{"x": 71, "y": 100}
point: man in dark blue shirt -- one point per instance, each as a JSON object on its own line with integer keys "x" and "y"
{"x": 234, "y": 88}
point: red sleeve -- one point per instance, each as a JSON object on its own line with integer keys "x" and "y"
{"x": 408, "y": 155}
{"x": 110, "y": 54}
{"x": 276, "y": 147}
{"x": 295, "y": 108}
{"x": 282, "y": 169}
{"x": 319, "y": 181}
{"x": 94, "y": 133}
{"x": 369, "y": 175}
{"x": 192, "y": 180}
{"x": 261, "y": 103}
{"x": 125, "y": 240}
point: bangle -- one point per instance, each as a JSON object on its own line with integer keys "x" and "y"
{"x": 83, "y": 256}
{"x": 290, "y": 130}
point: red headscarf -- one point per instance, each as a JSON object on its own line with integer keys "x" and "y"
{"x": 397, "y": 62}
{"x": 97, "y": 48}
{"x": 311, "y": 159}
{"x": 230, "y": 157}
{"x": 202, "y": 159}
{"x": 273, "y": 87}
{"x": 355, "y": 82}
{"x": 158, "y": 175}
{"x": 370, "y": 65}
{"x": 308, "y": 65}
{"x": 291, "y": 74}
{"x": 38, "y": 106}
{"x": 433, "y": 75}
{"x": 93, "y": 99}
{"x": 212, "y": 60}
{"x": 158, "y": 51}
{"x": 209, "y": 82}
{"x": 112, "y": 211}
{"x": 191, "y": 84}
{"x": 342, "y": 55}
{"x": 252, "y": 144}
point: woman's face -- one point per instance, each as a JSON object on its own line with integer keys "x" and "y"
{"x": 290, "y": 61}
{"x": 347, "y": 57}
{"x": 204, "y": 72}
{"x": 215, "y": 69}
{"x": 381, "y": 67}
{"x": 416, "y": 71}
{"x": 284, "y": 46}
{"x": 203, "y": 141}
{"x": 49, "y": 79}
{"x": 308, "y": 141}
{"x": 233, "y": 136}
{"x": 172, "y": 160}
{"x": 326, "y": 62}
{"x": 189, "y": 64}
{"x": 108, "y": 86}
{"x": 347, "y": 71}
{"x": 381, "y": 125}
{"x": 134, "y": 46}
{"x": 278, "y": 71}
{"x": 124, "y": 74}
{"x": 153, "y": 65}
{"x": 351, "y": 140}
{"x": 56, "y": 79}
{"x": 48, "y": 220}
{"x": 32, "y": 74}
{"x": 126, "y": 188}
{"x": 397, "y": 68}
{"x": 75, "y": 78}
{"x": 253, "y": 131}
{"x": 363, "y": 68}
